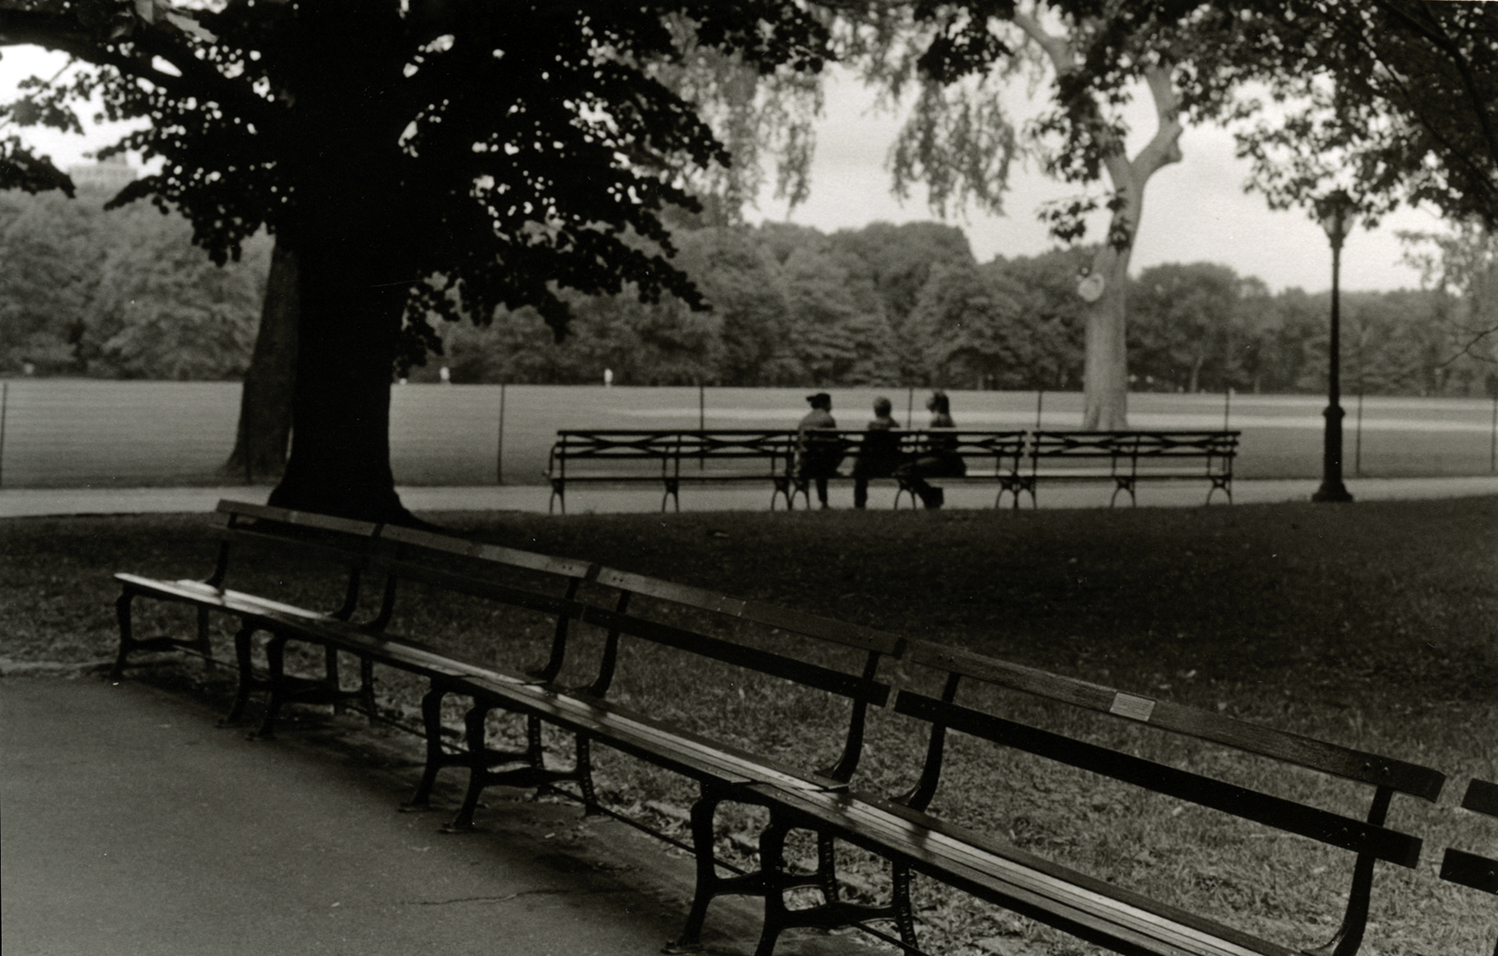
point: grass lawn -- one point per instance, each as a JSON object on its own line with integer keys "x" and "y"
{"x": 1373, "y": 626}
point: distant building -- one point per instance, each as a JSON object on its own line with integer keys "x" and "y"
{"x": 110, "y": 174}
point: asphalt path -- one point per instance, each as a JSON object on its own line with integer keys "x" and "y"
{"x": 606, "y": 499}
{"x": 133, "y": 826}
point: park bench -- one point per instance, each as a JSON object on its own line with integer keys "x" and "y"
{"x": 916, "y": 840}
{"x": 746, "y": 641}
{"x": 670, "y": 458}
{"x": 723, "y": 643}
{"x": 593, "y": 624}
{"x": 325, "y": 556}
{"x": 1464, "y": 867}
{"x": 1126, "y": 458}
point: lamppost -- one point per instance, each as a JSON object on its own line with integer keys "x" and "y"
{"x": 1336, "y": 214}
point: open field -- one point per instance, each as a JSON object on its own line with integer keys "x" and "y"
{"x": 68, "y": 433}
{"x": 1374, "y": 627}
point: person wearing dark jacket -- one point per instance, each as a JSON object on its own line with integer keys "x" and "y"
{"x": 940, "y": 459}
{"x": 878, "y": 454}
{"x": 818, "y": 455}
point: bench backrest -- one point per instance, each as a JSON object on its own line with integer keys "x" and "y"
{"x": 1369, "y": 838}
{"x": 1461, "y": 865}
{"x": 548, "y": 586}
{"x": 721, "y": 641}
{"x": 342, "y": 543}
{"x": 1216, "y": 446}
{"x": 669, "y": 448}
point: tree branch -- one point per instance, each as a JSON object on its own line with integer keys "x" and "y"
{"x": 1164, "y": 147}
{"x": 198, "y": 78}
{"x": 1463, "y": 68}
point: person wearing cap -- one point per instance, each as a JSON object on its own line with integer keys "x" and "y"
{"x": 940, "y": 458}
{"x": 818, "y": 455}
{"x": 878, "y": 453}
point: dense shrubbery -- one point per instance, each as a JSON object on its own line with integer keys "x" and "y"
{"x": 124, "y": 294}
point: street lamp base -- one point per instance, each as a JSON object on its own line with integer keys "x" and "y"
{"x": 1332, "y": 493}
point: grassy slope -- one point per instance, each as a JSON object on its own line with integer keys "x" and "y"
{"x": 1373, "y": 626}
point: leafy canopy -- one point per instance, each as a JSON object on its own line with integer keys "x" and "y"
{"x": 522, "y": 147}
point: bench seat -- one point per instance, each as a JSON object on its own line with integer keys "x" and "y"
{"x": 1002, "y": 873}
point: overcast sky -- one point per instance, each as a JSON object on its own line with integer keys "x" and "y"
{"x": 1194, "y": 211}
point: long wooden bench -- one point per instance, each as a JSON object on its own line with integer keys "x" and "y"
{"x": 789, "y": 651}
{"x": 671, "y": 458}
{"x": 916, "y": 840}
{"x": 1125, "y": 458}
{"x": 1017, "y": 461}
{"x": 588, "y": 625}
{"x": 324, "y": 556}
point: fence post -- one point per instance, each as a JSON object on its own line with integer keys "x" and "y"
{"x": 1039, "y": 403}
{"x": 909, "y": 405}
{"x": 1492, "y": 452}
{"x": 1227, "y": 409}
{"x": 499, "y": 454}
{"x": 1357, "y": 455}
{"x": 4, "y": 407}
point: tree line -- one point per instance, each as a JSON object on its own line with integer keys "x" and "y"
{"x": 124, "y": 294}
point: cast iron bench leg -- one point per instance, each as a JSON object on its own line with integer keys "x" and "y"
{"x": 127, "y": 635}
{"x": 247, "y": 680}
{"x": 437, "y": 757}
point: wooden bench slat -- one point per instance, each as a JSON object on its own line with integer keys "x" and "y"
{"x": 196, "y": 592}
{"x": 765, "y": 662}
{"x": 755, "y": 611}
{"x": 1028, "y": 884}
{"x": 493, "y": 553}
{"x": 1470, "y": 869}
{"x": 1481, "y": 797}
{"x": 307, "y": 519}
{"x": 1255, "y": 738}
{"x": 1317, "y": 824}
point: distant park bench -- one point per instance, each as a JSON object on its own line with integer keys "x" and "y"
{"x": 670, "y": 457}
{"x": 1016, "y": 461}
{"x": 591, "y": 628}
{"x": 1125, "y": 458}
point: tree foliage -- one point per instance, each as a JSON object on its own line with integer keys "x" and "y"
{"x": 422, "y": 159}
{"x": 120, "y": 294}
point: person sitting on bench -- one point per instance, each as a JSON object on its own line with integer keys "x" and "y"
{"x": 939, "y": 459}
{"x": 818, "y": 455}
{"x": 878, "y": 455}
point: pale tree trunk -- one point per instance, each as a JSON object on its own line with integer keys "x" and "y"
{"x": 265, "y": 402}
{"x": 1105, "y": 371}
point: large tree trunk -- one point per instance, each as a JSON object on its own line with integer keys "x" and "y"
{"x": 340, "y": 446}
{"x": 1105, "y": 371}
{"x": 265, "y": 401}
{"x": 349, "y": 236}
{"x": 1105, "y": 366}
{"x": 1105, "y": 381}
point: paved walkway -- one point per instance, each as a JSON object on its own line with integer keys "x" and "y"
{"x": 24, "y": 502}
{"x": 132, "y": 825}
